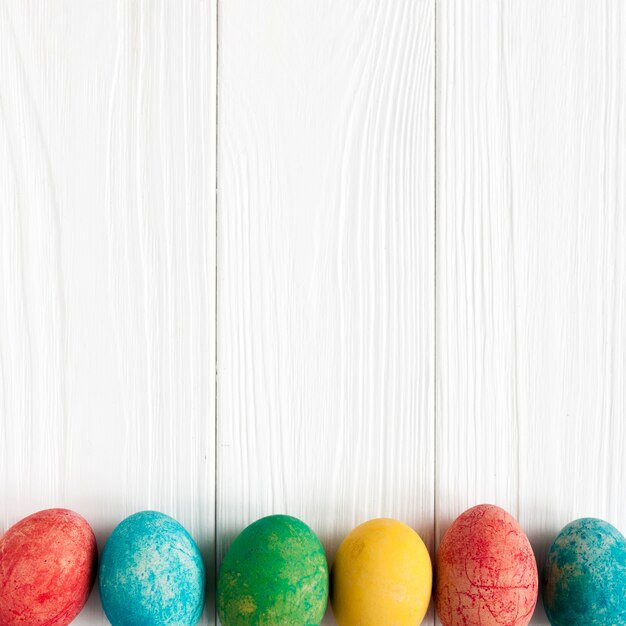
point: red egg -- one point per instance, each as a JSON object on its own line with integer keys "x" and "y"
{"x": 486, "y": 571}
{"x": 48, "y": 563}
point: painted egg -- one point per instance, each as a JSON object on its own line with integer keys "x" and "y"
{"x": 151, "y": 572}
{"x": 275, "y": 572}
{"x": 584, "y": 577}
{"x": 48, "y": 564}
{"x": 381, "y": 576}
{"x": 486, "y": 571}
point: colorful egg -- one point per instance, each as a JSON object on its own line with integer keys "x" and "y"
{"x": 151, "y": 572}
{"x": 275, "y": 572}
{"x": 486, "y": 571}
{"x": 48, "y": 563}
{"x": 584, "y": 577}
{"x": 381, "y": 576}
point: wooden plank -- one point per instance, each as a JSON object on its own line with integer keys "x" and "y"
{"x": 531, "y": 268}
{"x": 107, "y": 262}
{"x": 325, "y": 264}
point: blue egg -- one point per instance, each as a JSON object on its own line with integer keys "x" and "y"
{"x": 584, "y": 578}
{"x": 151, "y": 572}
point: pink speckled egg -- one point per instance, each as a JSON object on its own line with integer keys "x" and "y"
{"x": 486, "y": 571}
{"x": 48, "y": 563}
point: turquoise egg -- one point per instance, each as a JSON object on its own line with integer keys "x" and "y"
{"x": 584, "y": 577}
{"x": 151, "y": 572}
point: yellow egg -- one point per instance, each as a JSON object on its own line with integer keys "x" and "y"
{"x": 382, "y": 576}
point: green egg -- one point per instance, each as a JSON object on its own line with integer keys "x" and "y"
{"x": 275, "y": 572}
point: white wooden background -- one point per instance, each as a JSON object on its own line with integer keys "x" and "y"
{"x": 336, "y": 259}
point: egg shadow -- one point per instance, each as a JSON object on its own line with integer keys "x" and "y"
{"x": 541, "y": 540}
{"x": 330, "y": 540}
{"x": 93, "y": 613}
{"x": 206, "y": 545}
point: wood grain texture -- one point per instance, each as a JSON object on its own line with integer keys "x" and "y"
{"x": 325, "y": 264}
{"x": 333, "y": 404}
{"x": 107, "y": 262}
{"x": 531, "y": 268}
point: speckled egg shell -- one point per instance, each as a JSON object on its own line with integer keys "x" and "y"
{"x": 381, "y": 576}
{"x": 275, "y": 572}
{"x": 584, "y": 577}
{"x": 151, "y": 572}
{"x": 486, "y": 571}
{"x": 48, "y": 563}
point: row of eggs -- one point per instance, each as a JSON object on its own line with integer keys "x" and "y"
{"x": 275, "y": 572}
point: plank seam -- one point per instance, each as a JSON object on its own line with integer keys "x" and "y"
{"x": 435, "y": 303}
{"x": 215, "y": 373}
